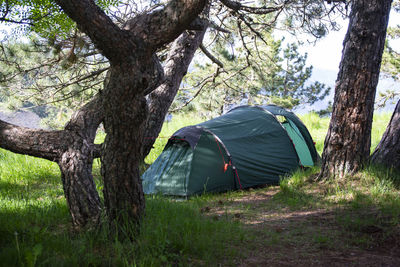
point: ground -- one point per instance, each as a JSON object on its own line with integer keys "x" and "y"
{"x": 302, "y": 222}
{"x": 317, "y": 224}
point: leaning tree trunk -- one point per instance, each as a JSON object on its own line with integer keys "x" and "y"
{"x": 388, "y": 150}
{"x": 348, "y": 141}
{"x": 76, "y": 162}
{"x": 73, "y": 150}
{"x": 177, "y": 63}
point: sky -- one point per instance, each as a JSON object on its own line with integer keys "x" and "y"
{"x": 327, "y": 52}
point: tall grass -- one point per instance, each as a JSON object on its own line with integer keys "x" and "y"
{"x": 318, "y": 128}
{"x": 379, "y": 124}
{"x": 35, "y": 226}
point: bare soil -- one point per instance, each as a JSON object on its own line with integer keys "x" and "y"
{"x": 308, "y": 235}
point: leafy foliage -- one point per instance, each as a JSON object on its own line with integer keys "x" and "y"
{"x": 54, "y": 74}
{"x": 391, "y": 60}
{"x": 260, "y": 73}
{"x": 44, "y": 17}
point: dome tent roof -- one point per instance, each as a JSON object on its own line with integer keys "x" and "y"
{"x": 245, "y": 147}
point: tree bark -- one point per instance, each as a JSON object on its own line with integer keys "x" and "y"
{"x": 348, "y": 141}
{"x": 76, "y": 162}
{"x": 134, "y": 72}
{"x": 387, "y": 152}
{"x": 73, "y": 150}
{"x": 75, "y": 155}
{"x": 125, "y": 112}
{"x": 78, "y": 184}
{"x": 179, "y": 57}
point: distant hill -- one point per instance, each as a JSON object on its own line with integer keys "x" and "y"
{"x": 328, "y": 77}
{"x": 22, "y": 118}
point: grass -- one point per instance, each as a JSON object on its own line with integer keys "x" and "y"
{"x": 35, "y": 227}
{"x": 299, "y": 222}
{"x": 318, "y": 128}
{"x": 168, "y": 129}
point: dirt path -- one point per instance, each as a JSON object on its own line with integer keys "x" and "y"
{"x": 313, "y": 234}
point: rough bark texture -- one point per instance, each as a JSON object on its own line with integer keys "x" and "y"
{"x": 159, "y": 101}
{"x": 123, "y": 124}
{"x": 151, "y": 30}
{"x": 79, "y": 187}
{"x": 388, "y": 150}
{"x": 76, "y": 162}
{"x": 73, "y": 150}
{"x": 347, "y": 144}
{"x": 33, "y": 142}
{"x": 134, "y": 72}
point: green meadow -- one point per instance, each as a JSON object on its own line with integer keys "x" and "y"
{"x": 302, "y": 221}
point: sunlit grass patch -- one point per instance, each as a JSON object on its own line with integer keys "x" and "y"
{"x": 317, "y": 127}
{"x": 379, "y": 124}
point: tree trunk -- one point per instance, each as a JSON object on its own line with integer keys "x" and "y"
{"x": 179, "y": 57}
{"x": 388, "y": 151}
{"x": 134, "y": 73}
{"x": 76, "y": 164}
{"x": 73, "y": 150}
{"x": 348, "y": 141}
{"x": 125, "y": 111}
{"x": 79, "y": 187}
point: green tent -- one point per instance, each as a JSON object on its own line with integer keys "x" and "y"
{"x": 248, "y": 146}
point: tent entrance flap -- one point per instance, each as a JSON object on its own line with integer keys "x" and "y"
{"x": 299, "y": 143}
{"x": 169, "y": 173}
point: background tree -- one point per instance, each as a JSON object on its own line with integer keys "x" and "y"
{"x": 391, "y": 60}
{"x": 249, "y": 63}
{"x": 264, "y": 75}
{"x": 58, "y": 77}
{"x": 348, "y": 141}
{"x": 388, "y": 150}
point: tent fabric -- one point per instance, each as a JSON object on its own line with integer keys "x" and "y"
{"x": 258, "y": 152}
{"x": 170, "y": 170}
{"x": 245, "y": 147}
{"x": 299, "y": 144}
{"x": 191, "y": 134}
{"x": 276, "y": 110}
